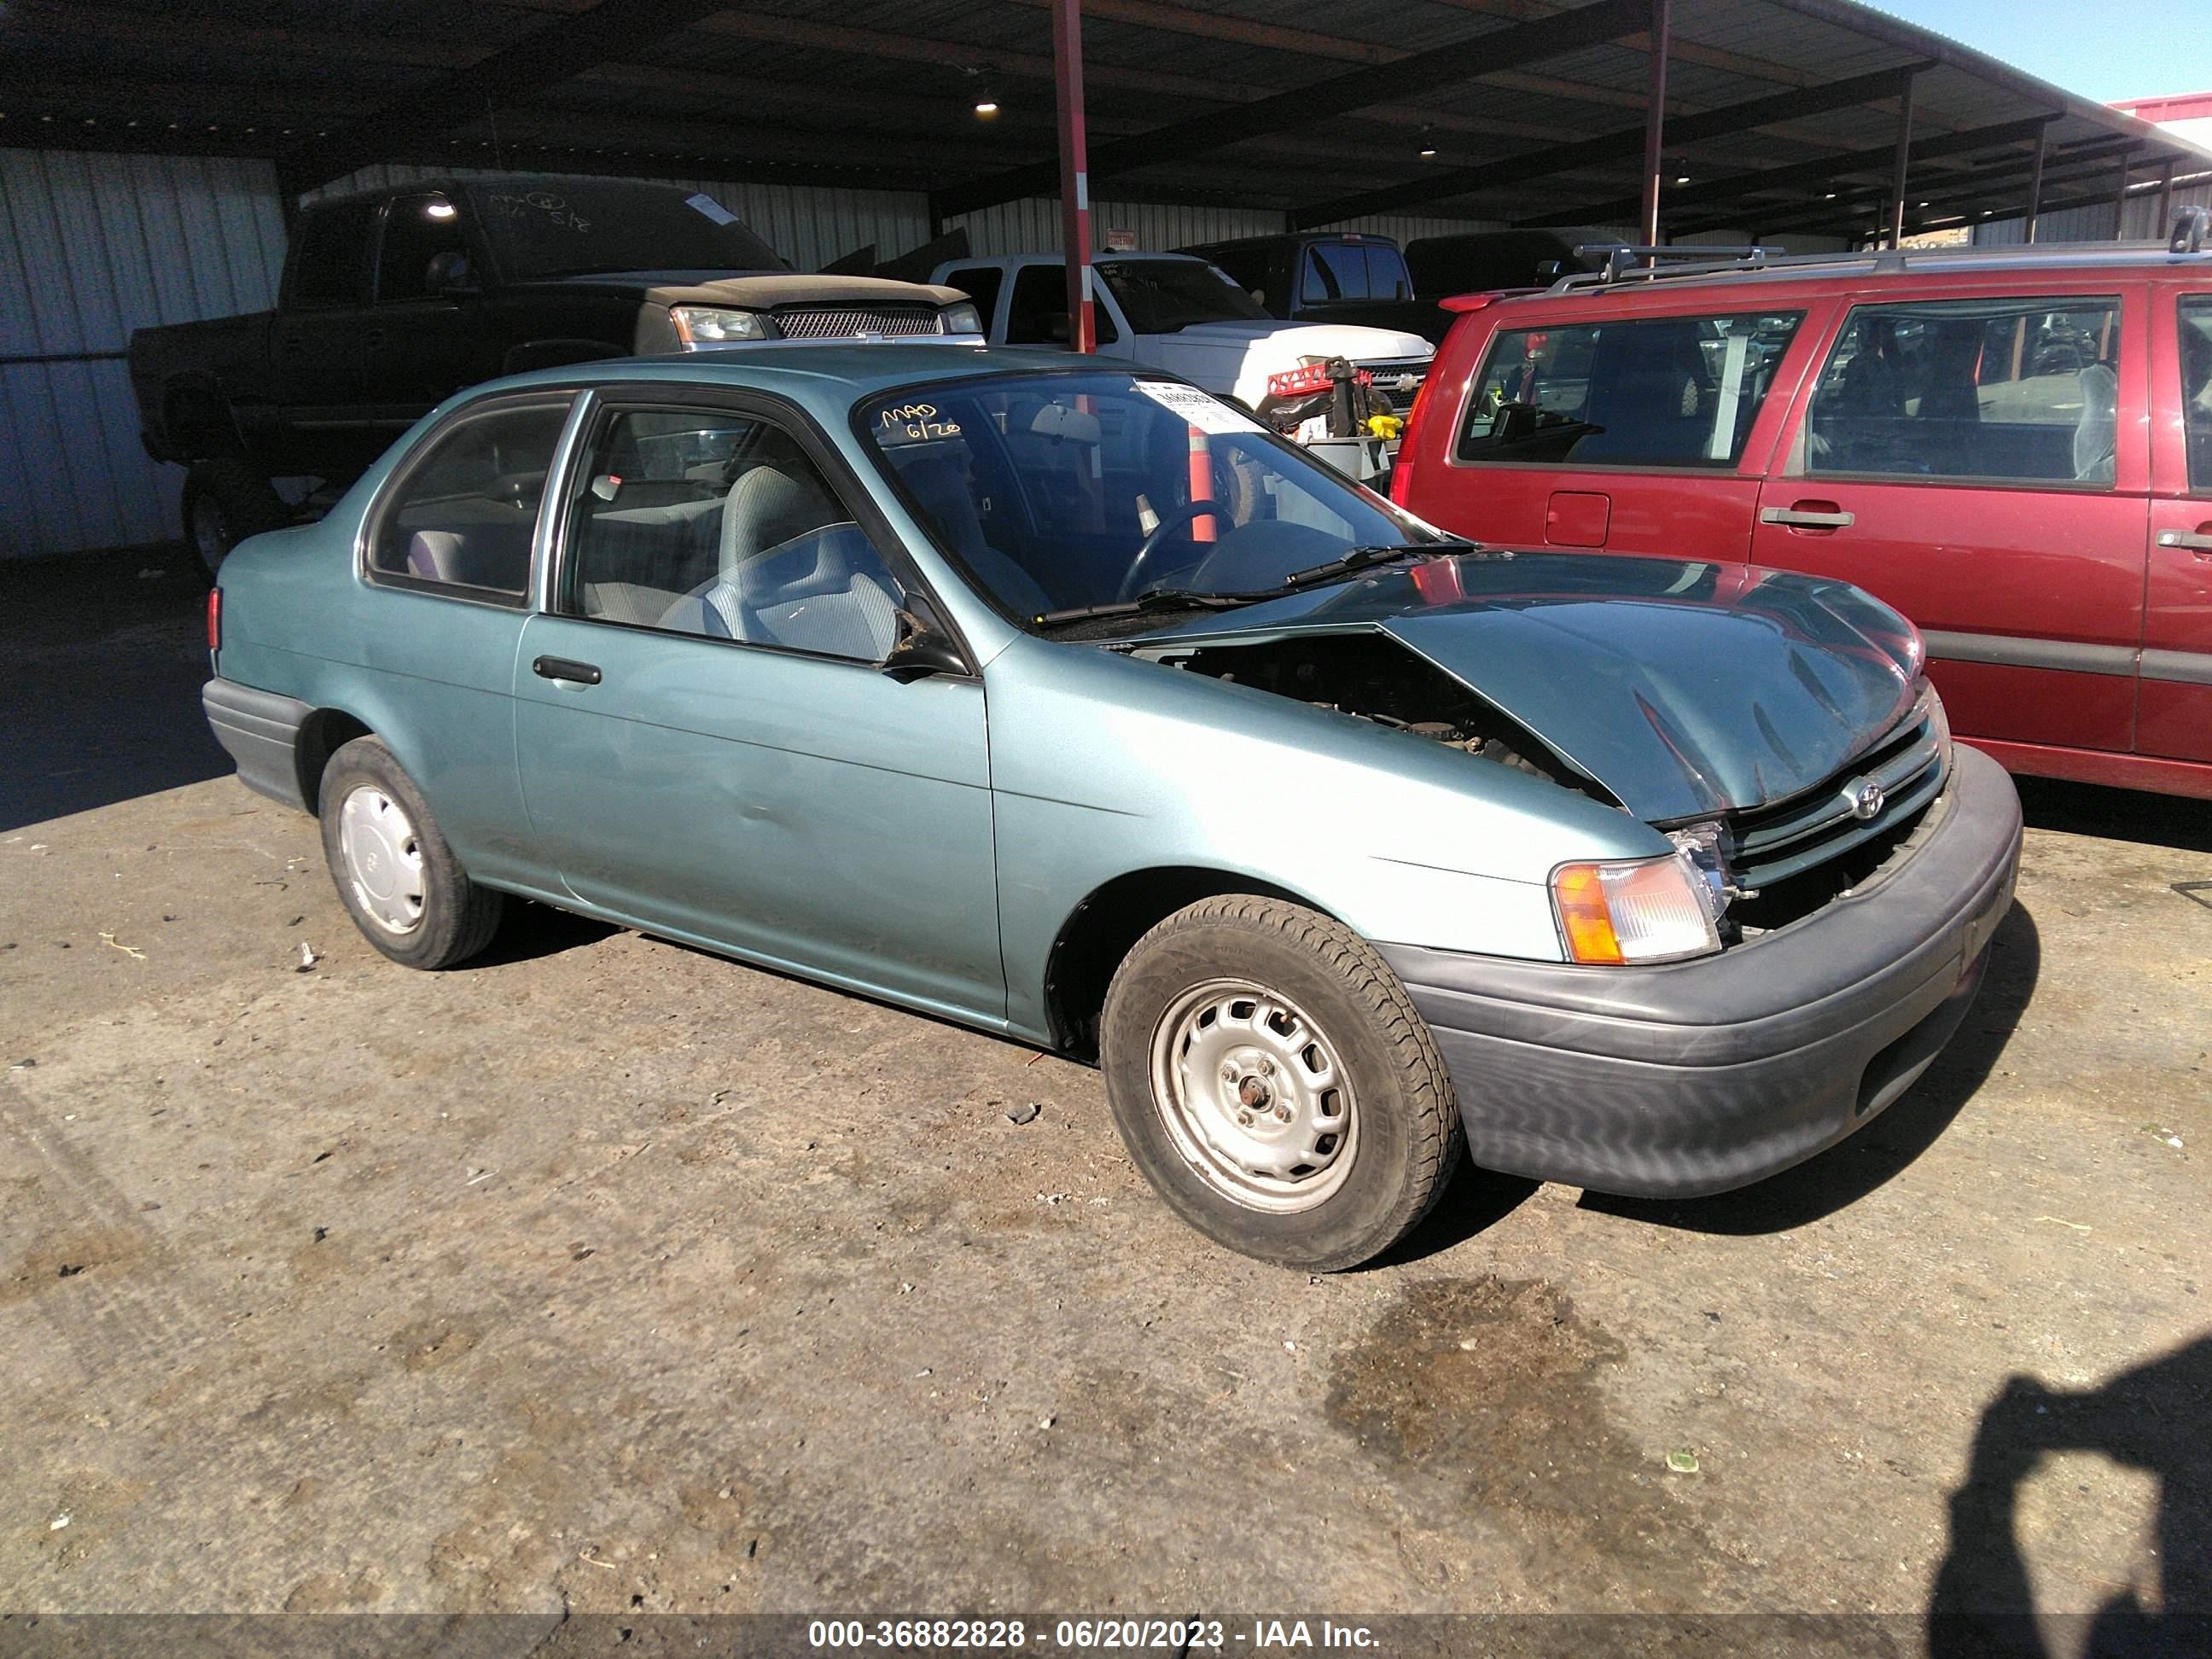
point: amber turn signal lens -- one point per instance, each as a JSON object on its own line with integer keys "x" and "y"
{"x": 1579, "y": 891}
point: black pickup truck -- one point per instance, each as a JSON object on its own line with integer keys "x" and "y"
{"x": 392, "y": 299}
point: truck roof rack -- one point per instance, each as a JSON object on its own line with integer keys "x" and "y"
{"x": 1624, "y": 264}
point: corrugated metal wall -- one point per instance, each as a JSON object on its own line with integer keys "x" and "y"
{"x": 92, "y": 246}
{"x": 2093, "y": 223}
{"x": 1032, "y": 226}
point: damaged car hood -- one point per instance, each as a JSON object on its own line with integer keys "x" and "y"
{"x": 1683, "y": 688}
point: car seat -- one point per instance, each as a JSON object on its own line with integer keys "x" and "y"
{"x": 949, "y": 507}
{"x": 794, "y": 573}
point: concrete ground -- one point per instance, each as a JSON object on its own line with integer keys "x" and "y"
{"x": 609, "y": 1275}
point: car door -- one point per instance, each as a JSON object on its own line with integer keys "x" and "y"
{"x": 451, "y": 550}
{"x": 1643, "y": 433}
{"x": 2173, "y": 709}
{"x": 426, "y": 338}
{"x": 706, "y": 742}
{"x": 1963, "y": 458}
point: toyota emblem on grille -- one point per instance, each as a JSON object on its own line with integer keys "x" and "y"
{"x": 1867, "y": 801}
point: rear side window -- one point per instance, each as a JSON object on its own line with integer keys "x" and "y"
{"x": 332, "y": 261}
{"x": 1353, "y": 270}
{"x": 465, "y": 511}
{"x": 980, "y": 283}
{"x": 2197, "y": 388}
{"x": 2023, "y": 391}
{"x": 1656, "y": 392}
{"x": 1038, "y": 314}
{"x": 423, "y": 250}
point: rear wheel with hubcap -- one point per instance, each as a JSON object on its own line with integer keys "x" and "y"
{"x": 397, "y": 878}
{"x": 1273, "y": 1082}
{"x": 226, "y": 500}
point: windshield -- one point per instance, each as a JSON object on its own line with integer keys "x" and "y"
{"x": 1159, "y": 296}
{"x": 1062, "y": 491}
{"x": 572, "y": 227}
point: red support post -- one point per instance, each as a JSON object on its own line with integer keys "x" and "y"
{"x": 1655, "y": 120}
{"x": 1074, "y": 170}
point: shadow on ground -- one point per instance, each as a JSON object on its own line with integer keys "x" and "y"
{"x": 2084, "y": 809}
{"x": 2151, "y": 1418}
{"x": 108, "y": 651}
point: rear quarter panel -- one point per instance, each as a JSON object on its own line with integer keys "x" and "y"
{"x": 431, "y": 676}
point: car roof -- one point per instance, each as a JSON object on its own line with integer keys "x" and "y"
{"x": 827, "y": 373}
{"x": 453, "y": 184}
{"x": 1916, "y": 269}
{"x": 1100, "y": 257}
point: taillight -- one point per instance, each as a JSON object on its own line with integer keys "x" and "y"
{"x": 1401, "y": 474}
{"x": 215, "y": 619}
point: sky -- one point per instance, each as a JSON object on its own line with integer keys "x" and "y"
{"x": 2121, "y": 49}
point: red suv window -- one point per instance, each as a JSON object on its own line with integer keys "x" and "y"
{"x": 2020, "y": 389}
{"x": 1654, "y": 391}
{"x": 2197, "y": 388}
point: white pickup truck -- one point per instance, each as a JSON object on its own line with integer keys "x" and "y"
{"x": 1173, "y": 312}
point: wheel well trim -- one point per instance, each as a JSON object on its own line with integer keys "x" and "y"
{"x": 1096, "y": 936}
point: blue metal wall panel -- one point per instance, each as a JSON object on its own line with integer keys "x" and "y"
{"x": 93, "y": 246}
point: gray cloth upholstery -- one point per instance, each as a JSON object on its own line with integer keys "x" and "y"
{"x": 808, "y": 595}
{"x": 950, "y": 507}
{"x": 2097, "y": 433}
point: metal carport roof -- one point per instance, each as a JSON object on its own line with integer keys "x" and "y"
{"x": 1781, "y": 114}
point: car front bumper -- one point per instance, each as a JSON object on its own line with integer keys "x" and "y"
{"x": 1690, "y": 1078}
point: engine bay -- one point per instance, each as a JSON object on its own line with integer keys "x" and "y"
{"x": 1372, "y": 677}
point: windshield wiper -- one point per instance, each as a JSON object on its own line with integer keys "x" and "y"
{"x": 1157, "y": 599}
{"x": 1360, "y": 558}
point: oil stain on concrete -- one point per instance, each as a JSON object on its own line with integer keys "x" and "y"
{"x": 1479, "y": 1401}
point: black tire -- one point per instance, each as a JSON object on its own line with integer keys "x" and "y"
{"x": 455, "y": 918}
{"x": 226, "y": 499}
{"x": 1403, "y": 1139}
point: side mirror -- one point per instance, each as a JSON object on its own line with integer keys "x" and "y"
{"x": 922, "y": 650}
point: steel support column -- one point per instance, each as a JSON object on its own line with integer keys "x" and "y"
{"x": 2120, "y": 195}
{"x": 2035, "y": 182}
{"x": 1654, "y": 119}
{"x": 2165, "y": 200}
{"x": 1899, "y": 173}
{"x": 1074, "y": 171}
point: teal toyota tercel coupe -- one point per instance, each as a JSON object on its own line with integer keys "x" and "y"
{"x": 1067, "y": 703}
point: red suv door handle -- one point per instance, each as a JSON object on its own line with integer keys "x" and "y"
{"x": 2191, "y": 539}
{"x": 1807, "y": 515}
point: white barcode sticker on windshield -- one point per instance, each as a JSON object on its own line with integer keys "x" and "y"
{"x": 713, "y": 210}
{"x": 1201, "y": 408}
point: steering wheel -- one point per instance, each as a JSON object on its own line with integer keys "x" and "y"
{"x": 1183, "y": 516}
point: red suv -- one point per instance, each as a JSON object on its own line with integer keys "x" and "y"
{"x": 2013, "y": 447}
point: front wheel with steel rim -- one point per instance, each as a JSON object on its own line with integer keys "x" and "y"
{"x": 399, "y": 881}
{"x": 1273, "y": 1081}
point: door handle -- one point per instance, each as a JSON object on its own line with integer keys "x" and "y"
{"x": 566, "y": 668}
{"x": 2191, "y": 539}
{"x": 1800, "y": 518}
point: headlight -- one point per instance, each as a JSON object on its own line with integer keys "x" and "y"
{"x": 711, "y": 325}
{"x": 962, "y": 319}
{"x": 1644, "y": 910}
